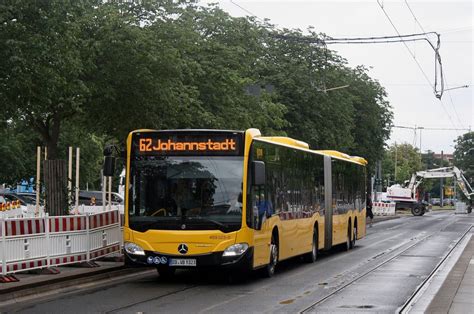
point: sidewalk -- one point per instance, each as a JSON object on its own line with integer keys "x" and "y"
{"x": 455, "y": 295}
{"x": 383, "y": 218}
{"x": 38, "y": 282}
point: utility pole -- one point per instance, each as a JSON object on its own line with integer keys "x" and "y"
{"x": 420, "y": 128}
{"x": 441, "y": 183}
{"x": 395, "y": 176}
{"x": 378, "y": 179}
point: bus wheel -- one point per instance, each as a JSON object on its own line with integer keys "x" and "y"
{"x": 166, "y": 272}
{"x": 313, "y": 255}
{"x": 354, "y": 236}
{"x": 417, "y": 210}
{"x": 269, "y": 270}
{"x": 347, "y": 246}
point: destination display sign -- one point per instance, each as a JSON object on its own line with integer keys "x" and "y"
{"x": 183, "y": 143}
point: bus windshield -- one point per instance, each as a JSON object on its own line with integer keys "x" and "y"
{"x": 185, "y": 193}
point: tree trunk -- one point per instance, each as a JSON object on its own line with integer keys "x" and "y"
{"x": 53, "y": 137}
{"x": 54, "y": 171}
{"x": 49, "y": 131}
{"x": 55, "y": 180}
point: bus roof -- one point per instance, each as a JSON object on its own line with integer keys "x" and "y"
{"x": 335, "y": 153}
{"x": 288, "y": 141}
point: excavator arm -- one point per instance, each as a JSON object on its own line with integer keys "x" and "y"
{"x": 446, "y": 172}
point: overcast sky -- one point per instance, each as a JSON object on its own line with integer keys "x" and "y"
{"x": 409, "y": 92}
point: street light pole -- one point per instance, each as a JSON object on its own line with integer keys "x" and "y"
{"x": 395, "y": 178}
{"x": 441, "y": 184}
{"x": 420, "y": 128}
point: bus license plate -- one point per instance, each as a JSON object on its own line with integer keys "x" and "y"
{"x": 182, "y": 262}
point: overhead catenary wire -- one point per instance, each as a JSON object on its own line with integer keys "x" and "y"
{"x": 421, "y": 128}
{"x": 362, "y": 40}
{"x": 443, "y": 77}
{"x": 428, "y": 128}
{"x": 437, "y": 93}
{"x": 437, "y": 57}
{"x": 413, "y": 14}
{"x": 245, "y": 10}
{"x": 452, "y": 103}
{"x": 384, "y": 39}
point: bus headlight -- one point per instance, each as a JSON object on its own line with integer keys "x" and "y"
{"x": 134, "y": 249}
{"x": 236, "y": 250}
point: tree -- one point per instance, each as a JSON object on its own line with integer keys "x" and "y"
{"x": 17, "y": 151}
{"x": 372, "y": 115}
{"x": 42, "y": 64}
{"x": 408, "y": 161}
{"x": 221, "y": 55}
{"x": 86, "y": 73}
{"x": 464, "y": 155}
{"x": 355, "y": 120}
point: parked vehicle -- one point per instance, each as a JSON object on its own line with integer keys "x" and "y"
{"x": 95, "y": 198}
{"x": 24, "y": 200}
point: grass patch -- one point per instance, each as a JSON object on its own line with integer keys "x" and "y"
{"x": 447, "y": 207}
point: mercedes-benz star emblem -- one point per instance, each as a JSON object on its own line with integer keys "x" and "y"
{"x": 183, "y": 248}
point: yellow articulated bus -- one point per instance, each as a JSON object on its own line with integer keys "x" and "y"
{"x": 236, "y": 200}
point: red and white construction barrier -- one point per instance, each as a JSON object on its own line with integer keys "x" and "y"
{"x": 95, "y": 209}
{"x": 383, "y": 209}
{"x": 30, "y": 211}
{"x": 33, "y": 243}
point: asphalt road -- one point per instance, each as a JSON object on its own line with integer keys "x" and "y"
{"x": 379, "y": 275}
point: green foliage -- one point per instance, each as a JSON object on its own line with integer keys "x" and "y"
{"x": 464, "y": 155}
{"x": 17, "y": 153}
{"x": 42, "y": 64}
{"x": 91, "y": 153}
{"x": 83, "y": 73}
{"x": 404, "y": 158}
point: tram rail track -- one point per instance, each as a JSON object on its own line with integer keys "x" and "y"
{"x": 403, "y": 246}
{"x": 115, "y": 310}
{"x": 407, "y": 306}
{"x": 416, "y": 242}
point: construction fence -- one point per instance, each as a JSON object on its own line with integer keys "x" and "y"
{"x": 383, "y": 208}
{"x": 46, "y": 242}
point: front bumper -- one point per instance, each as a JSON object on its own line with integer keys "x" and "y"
{"x": 210, "y": 260}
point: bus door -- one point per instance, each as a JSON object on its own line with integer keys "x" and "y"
{"x": 260, "y": 211}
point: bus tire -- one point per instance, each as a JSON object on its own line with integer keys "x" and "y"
{"x": 347, "y": 245}
{"x": 313, "y": 255}
{"x": 269, "y": 270}
{"x": 166, "y": 272}
{"x": 354, "y": 236}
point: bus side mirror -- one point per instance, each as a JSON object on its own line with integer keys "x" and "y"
{"x": 109, "y": 160}
{"x": 109, "y": 166}
{"x": 258, "y": 173}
